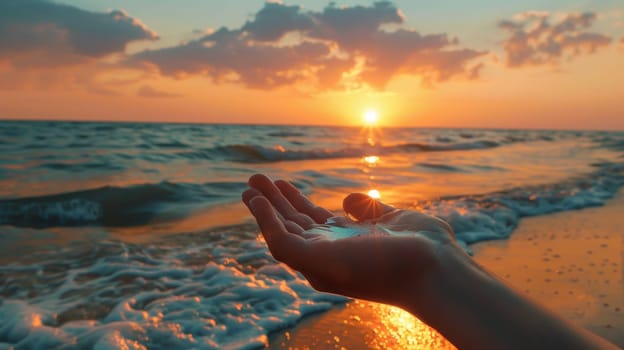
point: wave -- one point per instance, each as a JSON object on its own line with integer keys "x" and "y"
{"x": 171, "y": 144}
{"x": 191, "y": 291}
{"x": 77, "y": 167}
{"x": 613, "y": 141}
{"x": 244, "y": 153}
{"x": 116, "y": 206}
{"x": 258, "y": 154}
{"x": 286, "y": 134}
{"x": 495, "y": 215}
{"x": 464, "y": 168}
{"x": 438, "y": 167}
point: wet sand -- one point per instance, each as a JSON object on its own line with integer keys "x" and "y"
{"x": 360, "y": 325}
{"x": 571, "y": 262}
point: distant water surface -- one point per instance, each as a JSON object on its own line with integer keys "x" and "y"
{"x": 129, "y": 234}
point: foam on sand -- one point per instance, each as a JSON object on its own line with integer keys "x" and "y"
{"x": 211, "y": 291}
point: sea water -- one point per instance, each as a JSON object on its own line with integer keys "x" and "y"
{"x": 132, "y": 235}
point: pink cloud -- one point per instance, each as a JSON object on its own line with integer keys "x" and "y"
{"x": 533, "y": 40}
{"x": 284, "y": 45}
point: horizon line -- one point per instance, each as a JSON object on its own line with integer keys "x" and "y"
{"x": 10, "y": 119}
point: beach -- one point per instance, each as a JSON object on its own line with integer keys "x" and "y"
{"x": 135, "y": 138}
{"x": 570, "y": 262}
{"x": 134, "y": 233}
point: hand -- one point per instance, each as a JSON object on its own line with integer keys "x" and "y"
{"x": 418, "y": 268}
{"x": 382, "y": 268}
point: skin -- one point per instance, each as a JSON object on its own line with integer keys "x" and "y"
{"x": 422, "y": 270}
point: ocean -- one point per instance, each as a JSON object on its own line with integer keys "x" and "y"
{"x": 133, "y": 235}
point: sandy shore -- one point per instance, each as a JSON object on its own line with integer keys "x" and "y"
{"x": 570, "y": 262}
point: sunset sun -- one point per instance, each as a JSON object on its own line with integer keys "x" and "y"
{"x": 370, "y": 117}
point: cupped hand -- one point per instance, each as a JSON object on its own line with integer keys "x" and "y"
{"x": 388, "y": 268}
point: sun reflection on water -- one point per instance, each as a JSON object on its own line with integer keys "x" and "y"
{"x": 373, "y": 138}
{"x": 374, "y": 194}
{"x": 36, "y": 320}
{"x": 362, "y": 325}
{"x": 398, "y": 329}
{"x": 371, "y": 160}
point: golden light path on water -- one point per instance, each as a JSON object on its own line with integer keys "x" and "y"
{"x": 370, "y": 121}
{"x": 361, "y": 325}
{"x": 398, "y": 329}
{"x": 392, "y": 327}
{"x": 371, "y": 160}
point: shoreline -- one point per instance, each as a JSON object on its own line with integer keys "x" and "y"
{"x": 570, "y": 262}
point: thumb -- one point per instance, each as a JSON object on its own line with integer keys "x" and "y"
{"x": 363, "y": 207}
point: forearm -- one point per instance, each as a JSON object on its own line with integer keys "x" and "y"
{"x": 475, "y": 310}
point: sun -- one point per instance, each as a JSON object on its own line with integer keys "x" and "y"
{"x": 370, "y": 117}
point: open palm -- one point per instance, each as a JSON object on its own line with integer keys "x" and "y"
{"x": 386, "y": 267}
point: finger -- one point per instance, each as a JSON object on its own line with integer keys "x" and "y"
{"x": 302, "y": 203}
{"x": 363, "y": 207}
{"x": 284, "y": 246}
{"x": 252, "y": 193}
{"x": 292, "y": 226}
{"x": 283, "y": 206}
{"x": 310, "y": 237}
{"x": 249, "y": 194}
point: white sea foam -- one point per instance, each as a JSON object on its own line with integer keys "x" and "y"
{"x": 494, "y": 216}
{"x": 208, "y": 296}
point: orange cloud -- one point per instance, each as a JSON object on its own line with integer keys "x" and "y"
{"x": 534, "y": 41}
{"x": 336, "y": 48}
{"x": 38, "y": 33}
{"x": 148, "y": 91}
{"x": 47, "y": 45}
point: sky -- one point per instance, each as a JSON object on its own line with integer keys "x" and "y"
{"x": 493, "y": 64}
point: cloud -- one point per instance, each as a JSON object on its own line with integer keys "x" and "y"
{"x": 39, "y": 33}
{"x": 533, "y": 40}
{"x": 274, "y": 20}
{"x": 148, "y": 91}
{"x": 227, "y": 56}
{"x": 336, "y": 48}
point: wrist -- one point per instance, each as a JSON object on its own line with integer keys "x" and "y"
{"x": 474, "y": 309}
{"x": 450, "y": 270}
{"x": 449, "y": 297}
